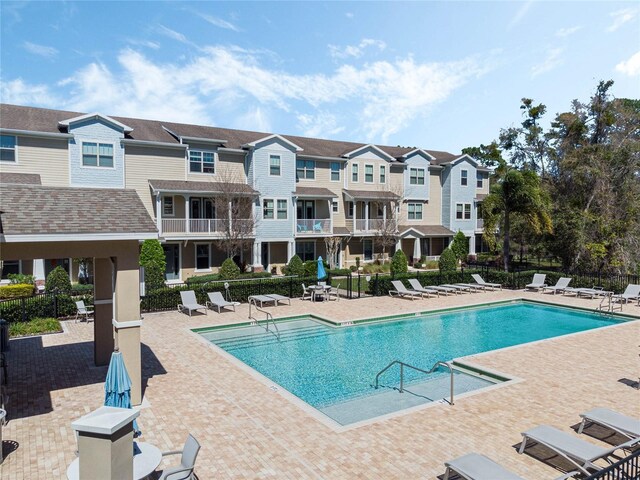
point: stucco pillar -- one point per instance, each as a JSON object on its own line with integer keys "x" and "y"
{"x": 127, "y": 321}
{"x": 159, "y": 212}
{"x": 257, "y": 253}
{"x": 103, "y": 310}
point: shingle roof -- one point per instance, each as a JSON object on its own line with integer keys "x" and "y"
{"x": 428, "y": 230}
{"x": 45, "y": 120}
{"x": 20, "y": 178}
{"x": 314, "y": 192}
{"x": 341, "y": 231}
{"x": 201, "y": 187}
{"x": 37, "y": 210}
{"x": 371, "y": 195}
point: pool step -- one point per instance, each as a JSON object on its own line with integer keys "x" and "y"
{"x": 262, "y": 338}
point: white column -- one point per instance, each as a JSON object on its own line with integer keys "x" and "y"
{"x": 384, "y": 213}
{"x": 230, "y": 228}
{"x": 417, "y": 253}
{"x": 256, "y": 253}
{"x": 291, "y": 249}
{"x": 330, "y": 203}
{"x": 159, "y": 212}
{"x": 187, "y": 212}
{"x": 398, "y": 244}
{"x": 472, "y": 244}
{"x": 38, "y": 269}
{"x": 366, "y": 215}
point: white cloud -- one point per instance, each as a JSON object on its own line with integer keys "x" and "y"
{"x": 144, "y": 43}
{"x": 232, "y": 86}
{"x": 630, "y": 67}
{"x": 349, "y": 15}
{"x": 620, "y": 17}
{"x": 551, "y": 61}
{"x": 19, "y": 93}
{"x": 565, "y": 32}
{"x": 218, "y": 22}
{"x": 167, "y": 32}
{"x": 520, "y": 14}
{"x": 356, "y": 50}
{"x": 41, "y": 50}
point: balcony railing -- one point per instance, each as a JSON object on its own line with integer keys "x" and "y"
{"x": 313, "y": 226}
{"x": 371, "y": 225}
{"x": 479, "y": 224}
{"x": 200, "y": 226}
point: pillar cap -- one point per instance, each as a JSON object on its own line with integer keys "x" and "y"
{"x": 130, "y": 324}
{"x": 105, "y": 420}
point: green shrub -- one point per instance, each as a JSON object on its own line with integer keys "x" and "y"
{"x": 153, "y": 260}
{"x": 431, "y": 264}
{"x": 24, "y": 309}
{"x": 229, "y": 270}
{"x": 294, "y": 267}
{"x": 213, "y": 277}
{"x": 81, "y": 289}
{"x": 376, "y": 268}
{"x": 448, "y": 261}
{"x": 337, "y": 272}
{"x": 311, "y": 268}
{"x": 16, "y": 290}
{"x": 423, "y": 260}
{"x": 58, "y": 282}
{"x": 399, "y": 263}
{"x": 21, "y": 278}
{"x": 35, "y": 326}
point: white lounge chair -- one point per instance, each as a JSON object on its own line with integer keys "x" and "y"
{"x": 83, "y": 311}
{"x": 560, "y": 286}
{"x": 632, "y": 292}
{"x": 473, "y": 287}
{"x": 279, "y": 298}
{"x": 445, "y": 290}
{"x": 586, "y": 292}
{"x": 417, "y": 286}
{"x": 402, "y": 291}
{"x": 190, "y": 303}
{"x": 538, "y": 282}
{"x": 474, "y": 466}
{"x": 580, "y": 453}
{"x": 480, "y": 281}
{"x": 217, "y": 300}
{"x": 458, "y": 287}
{"x": 627, "y": 426}
{"x": 184, "y": 471}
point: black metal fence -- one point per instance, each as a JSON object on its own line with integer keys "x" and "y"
{"x": 625, "y": 469}
{"x": 42, "y": 305}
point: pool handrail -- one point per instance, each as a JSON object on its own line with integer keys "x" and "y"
{"x": 252, "y": 301}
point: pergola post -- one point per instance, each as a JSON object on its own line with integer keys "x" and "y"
{"x": 103, "y": 310}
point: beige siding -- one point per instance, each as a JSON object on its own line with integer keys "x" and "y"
{"x": 396, "y": 180}
{"x": 228, "y": 168}
{"x": 432, "y": 213}
{"x": 485, "y": 185}
{"x": 47, "y": 157}
{"x": 361, "y": 184}
{"x": 145, "y": 163}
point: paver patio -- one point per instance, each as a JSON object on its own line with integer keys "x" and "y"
{"x": 249, "y": 431}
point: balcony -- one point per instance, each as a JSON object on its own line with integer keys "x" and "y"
{"x": 362, "y": 225}
{"x": 200, "y": 226}
{"x": 314, "y": 226}
{"x": 479, "y": 224}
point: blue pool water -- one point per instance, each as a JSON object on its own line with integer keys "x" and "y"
{"x": 325, "y": 365}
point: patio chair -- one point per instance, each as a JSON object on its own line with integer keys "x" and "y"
{"x": 417, "y": 286}
{"x": 184, "y": 471}
{"x": 538, "y": 282}
{"x": 83, "y": 311}
{"x": 402, "y": 291}
{"x": 560, "y": 286}
{"x": 580, "y": 453}
{"x": 627, "y": 426}
{"x": 487, "y": 285}
{"x": 217, "y": 300}
{"x": 307, "y": 293}
{"x": 335, "y": 291}
{"x": 474, "y": 466}
{"x": 632, "y": 292}
{"x": 190, "y": 303}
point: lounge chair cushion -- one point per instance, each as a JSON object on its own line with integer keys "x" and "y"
{"x": 614, "y": 420}
{"x": 478, "y": 467}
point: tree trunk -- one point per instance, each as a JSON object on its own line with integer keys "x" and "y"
{"x": 506, "y": 245}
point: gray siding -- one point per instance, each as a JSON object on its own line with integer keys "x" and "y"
{"x": 416, "y": 192}
{"x": 462, "y": 194}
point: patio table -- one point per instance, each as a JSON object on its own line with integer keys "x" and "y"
{"x": 322, "y": 290}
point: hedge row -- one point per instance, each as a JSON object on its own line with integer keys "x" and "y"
{"x": 16, "y": 290}
{"x": 41, "y": 306}
{"x": 213, "y": 277}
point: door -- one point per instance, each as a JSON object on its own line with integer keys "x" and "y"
{"x": 265, "y": 255}
{"x": 306, "y": 209}
{"x": 368, "y": 249}
{"x": 172, "y": 256}
{"x": 196, "y": 210}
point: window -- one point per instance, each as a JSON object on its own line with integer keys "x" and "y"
{"x": 416, "y": 176}
{"x": 305, "y": 169}
{"x": 167, "y": 206}
{"x": 354, "y": 172}
{"x": 463, "y": 177}
{"x": 267, "y": 209}
{"x": 97, "y": 154}
{"x": 350, "y": 215}
{"x": 306, "y": 250}
{"x": 335, "y": 171}
{"x": 478, "y": 180}
{"x": 383, "y": 174}
{"x": 203, "y": 256}
{"x": 11, "y": 266}
{"x": 368, "y": 174}
{"x": 201, "y": 162}
{"x": 8, "y": 148}
{"x": 274, "y": 165}
{"x": 415, "y": 211}
{"x": 479, "y": 211}
{"x": 334, "y": 206}
{"x": 463, "y": 211}
{"x": 282, "y": 209}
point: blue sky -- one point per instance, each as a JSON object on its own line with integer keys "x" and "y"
{"x": 439, "y": 75}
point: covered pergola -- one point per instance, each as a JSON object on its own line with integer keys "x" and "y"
{"x": 41, "y": 222}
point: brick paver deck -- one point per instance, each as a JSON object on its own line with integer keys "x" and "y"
{"x": 249, "y": 431}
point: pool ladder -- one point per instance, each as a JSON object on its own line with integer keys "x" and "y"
{"x": 255, "y": 321}
{"x": 607, "y": 305}
{"x": 426, "y": 372}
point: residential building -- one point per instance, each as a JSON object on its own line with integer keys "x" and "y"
{"x": 261, "y": 197}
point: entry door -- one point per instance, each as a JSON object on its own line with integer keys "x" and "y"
{"x": 368, "y": 249}
{"x": 306, "y": 209}
{"x": 172, "y": 255}
{"x": 196, "y": 208}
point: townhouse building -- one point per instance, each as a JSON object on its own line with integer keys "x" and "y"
{"x": 274, "y": 195}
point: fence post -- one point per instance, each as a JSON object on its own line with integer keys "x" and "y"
{"x": 55, "y": 305}
{"x": 23, "y": 310}
{"x": 358, "y": 284}
{"x": 461, "y": 273}
{"x": 377, "y": 291}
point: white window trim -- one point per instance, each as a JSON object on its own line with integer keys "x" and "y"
{"x": 305, "y": 179}
{"x": 373, "y": 173}
{"x": 15, "y": 152}
{"x": 357, "y": 172}
{"x": 97, "y": 167}
{"x": 331, "y": 171}
{"x": 279, "y": 165}
{"x": 215, "y": 162}
{"x": 380, "y": 169}
{"x": 479, "y": 178}
{"x": 173, "y": 206}
{"x": 424, "y": 177}
{"x": 348, "y": 209}
{"x": 421, "y": 212}
{"x": 195, "y": 258}
{"x": 335, "y": 206}
{"x": 463, "y": 210}
{"x": 275, "y": 209}
{"x": 465, "y": 178}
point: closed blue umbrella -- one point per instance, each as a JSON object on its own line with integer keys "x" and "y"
{"x": 321, "y": 272}
{"x": 117, "y": 386}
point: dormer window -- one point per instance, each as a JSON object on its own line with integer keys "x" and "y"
{"x": 202, "y": 162}
{"x": 8, "y": 148}
{"x": 97, "y": 154}
{"x": 416, "y": 176}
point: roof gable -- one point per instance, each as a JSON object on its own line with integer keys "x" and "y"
{"x": 90, "y": 116}
{"x": 276, "y": 137}
{"x": 419, "y": 151}
{"x": 370, "y": 146}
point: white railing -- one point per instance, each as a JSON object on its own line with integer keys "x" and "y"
{"x": 313, "y": 226}
{"x": 373, "y": 224}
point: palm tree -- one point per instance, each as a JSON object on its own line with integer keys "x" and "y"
{"x": 515, "y": 192}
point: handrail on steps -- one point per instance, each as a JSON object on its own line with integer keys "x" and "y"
{"x": 252, "y": 301}
{"x": 427, "y": 372}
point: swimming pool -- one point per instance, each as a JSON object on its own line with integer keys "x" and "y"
{"x": 333, "y": 368}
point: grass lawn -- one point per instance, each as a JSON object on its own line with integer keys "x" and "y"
{"x": 34, "y": 326}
